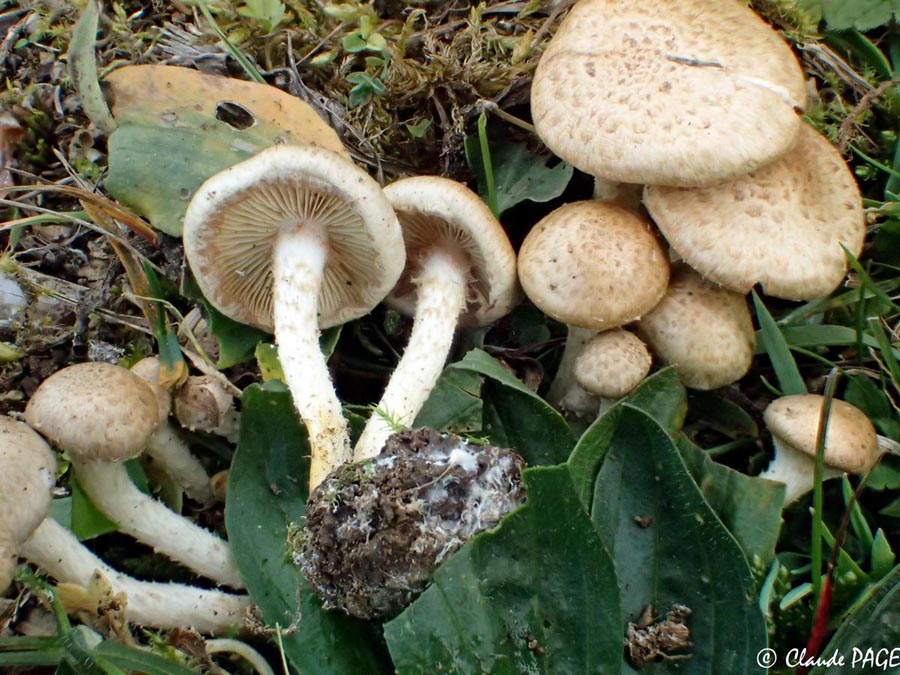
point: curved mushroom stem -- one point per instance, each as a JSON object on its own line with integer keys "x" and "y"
{"x": 242, "y": 649}
{"x": 440, "y": 298}
{"x": 147, "y": 520}
{"x": 576, "y": 339}
{"x": 299, "y": 263}
{"x": 173, "y": 455}
{"x": 56, "y": 550}
{"x": 796, "y": 470}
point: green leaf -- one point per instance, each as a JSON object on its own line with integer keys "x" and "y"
{"x": 237, "y": 341}
{"x": 883, "y": 558}
{"x": 875, "y": 625}
{"x": 861, "y": 15}
{"x": 516, "y": 417}
{"x": 267, "y": 493}
{"x": 519, "y": 174}
{"x": 138, "y": 660}
{"x": 87, "y": 520}
{"x": 774, "y": 344}
{"x": 454, "y": 404}
{"x": 749, "y": 507}
{"x": 538, "y": 594}
{"x": 663, "y": 397}
{"x": 670, "y": 548}
{"x": 269, "y": 13}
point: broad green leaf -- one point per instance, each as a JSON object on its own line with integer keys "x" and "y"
{"x": 861, "y": 15}
{"x": 670, "y": 548}
{"x": 87, "y": 521}
{"x": 237, "y": 341}
{"x": 723, "y": 415}
{"x": 663, "y": 397}
{"x": 538, "y": 594}
{"x": 267, "y": 493}
{"x": 874, "y": 626}
{"x": 519, "y": 174}
{"x": 773, "y": 342}
{"x": 454, "y": 404}
{"x": 515, "y": 417}
{"x": 749, "y": 507}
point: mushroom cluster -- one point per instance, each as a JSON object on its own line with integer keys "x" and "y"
{"x": 699, "y": 103}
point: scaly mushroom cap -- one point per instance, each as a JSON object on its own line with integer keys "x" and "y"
{"x": 705, "y": 331}
{"x": 851, "y": 444}
{"x": 613, "y": 363}
{"x": 781, "y": 226}
{"x": 95, "y": 411}
{"x": 27, "y": 473}
{"x": 593, "y": 265}
{"x": 669, "y": 92}
{"x": 233, "y": 222}
{"x": 436, "y": 213}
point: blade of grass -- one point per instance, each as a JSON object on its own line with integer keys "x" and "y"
{"x": 818, "y": 495}
{"x": 238, "y": 55}
{"x": 488, "y": 166}
{"x": 886, "y": 349}
{"x": 866, "y": 280}
{"x": 785, "y": 367}
{"x": 857, "y": 519}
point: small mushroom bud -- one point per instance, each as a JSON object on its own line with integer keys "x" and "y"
{"x": 203, "y": 404}
{"x": 377, "y": 529}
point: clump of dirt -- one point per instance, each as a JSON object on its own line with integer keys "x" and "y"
{"x": 376, "y": 530}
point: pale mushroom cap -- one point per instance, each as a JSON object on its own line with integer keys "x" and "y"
{"x": 593, "y": 265}
{"x": 613, "y": 363}
{"x": 670, "y": 92}
{"x": 781, "y": 226}
{"x": 27, "y": 475}
{"x": 704, "y": 330}
{"x": 95, "y": 411}
{"x": 440, "y": 213}
{"x": 851, "y": 443}
{"x": 233, "y": 221}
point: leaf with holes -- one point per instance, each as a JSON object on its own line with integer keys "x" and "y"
{"x": 177, "y": 127}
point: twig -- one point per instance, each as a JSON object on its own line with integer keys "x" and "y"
{"x": 864, "y": 104}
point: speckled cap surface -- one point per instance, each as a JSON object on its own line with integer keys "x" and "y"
{"x": 667, "y": 92}
{"x": 781, "y": 226}
{"x": 437, "y": 212}
{"x": 704, "y": 330}
{"x": 593, "y": 265}
{"x": 234, "y": 219}
{"x": 612, "y": 363}
{"x": 851, "y": 444}
{"x": 27, "y": 475}
{"x": 95, "y": 411}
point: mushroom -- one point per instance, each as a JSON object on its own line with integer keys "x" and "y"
{"x": 684, "y": 93}
{"x": 851, "y": 444}
{"x": 202, "y": 403}
{"x": 460, "y": 269}
{"x": 100, "y": 415}
{"x": 29, "y": 472}
{"x": 296, "y": 239}
{"x": 166, "y": 447}
{"x": 611, "y": 364}
{"x": 703, "y": 330}
{"x": 593, "y": 266}
{"x": 782, "y": 226}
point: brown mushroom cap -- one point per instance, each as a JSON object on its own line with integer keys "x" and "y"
{"x": 851, "y": 443}
{"x": 95, "y": 411}
{"x": 671, "y": 92}
{"x": 781, "y": 226}
{"x": 233, "y": 222}
{"x": 437, "y": 213}
{"x": 593, "y": 265}
{"x": 27, "y": 476}
{"x": 704, "y": 330}
{"x": 612, "y": 363}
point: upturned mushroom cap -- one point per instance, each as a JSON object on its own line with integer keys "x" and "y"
{"x": 703, "y": 330}
{"x": 781, "y": 226}
{"x": 613, "y": 363}
{"x": 27, "y": 473}
{"x": 234, "y": 220}
{"x": 593, "y": 265}
{"x": 673, "y": 92}
{"x": 851, "y": 444}
{"x": 95, "y": 411}
{"x": 437, "y": 213}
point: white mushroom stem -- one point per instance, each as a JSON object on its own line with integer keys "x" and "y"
{"x": 242, "y": 649}
{"x": 440, "y": 299}
{"x": 147, "y": 520}
{"x": 796, "y": 470}
{"x": 56, "y": 550}
{"x": 565, "y": 381}
{"x": 173, "y": 456}
{"x": 298, "y": 268}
